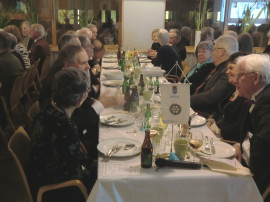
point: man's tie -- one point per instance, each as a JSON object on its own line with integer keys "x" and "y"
{"x": 205, "y": 81}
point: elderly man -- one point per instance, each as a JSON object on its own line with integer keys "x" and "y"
{"x": 40, "y": 49}
{"x": 253, "y": 83}
{"x": 67, "y": 39}
{"x": 86, "y": 31}
{"x": 175, "y": 40}
{"x": 87, "y": 116}
{"x": 215, "y": 86}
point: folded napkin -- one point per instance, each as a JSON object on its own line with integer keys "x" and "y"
{"x": 227, "y": 166}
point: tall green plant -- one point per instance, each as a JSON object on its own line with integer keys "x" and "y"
{"x": 199, "y": 16}
{"x": 84, "y": 19}
{"x": 248, "y": 21}
{"x": 32, "y": 14}
{"x": 4, "y": 18}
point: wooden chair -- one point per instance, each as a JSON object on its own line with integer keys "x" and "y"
{"x": 45, "y": 68}
{"x": 16, "y": 94}
{"x": 266, "y": 192}
{"x": 33, "y": 110}
{"x": 19, "y": 147}
{"x": 29, "y": 81}
{"x": 186, "y": 70}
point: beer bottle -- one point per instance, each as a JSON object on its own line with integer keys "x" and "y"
{"x": 156, "y": 86}
{"x": 124, "y": 85}
{"x": 147, "y": 151}
{"x": 127, "y": 99}
{"x": 141, "y": 84}
{"x": 150, "y": 83}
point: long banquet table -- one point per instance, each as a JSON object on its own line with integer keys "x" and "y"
{"x": 122, "y": 179}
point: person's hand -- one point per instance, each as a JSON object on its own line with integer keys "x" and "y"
{"x": 96, "y": 69}
{"x": 238, "y": 154}
{"x": 111, "y": 100}
{"x": 153, "y": 54}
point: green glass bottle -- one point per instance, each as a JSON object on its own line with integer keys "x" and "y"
{"x": 156, "y": 85}
{"x": 141, "y": 84}
{"x": 124, "y": 85}
{"x": 131, "y": 81}
{"x": 150, "y": 83}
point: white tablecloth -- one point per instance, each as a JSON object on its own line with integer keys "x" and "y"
{"x": 122, "y": 179}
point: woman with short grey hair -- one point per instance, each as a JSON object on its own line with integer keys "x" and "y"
{"x": 166, "y": 56}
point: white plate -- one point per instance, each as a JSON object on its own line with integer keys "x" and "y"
{"x": 110, "y": 56}
{"x": 106, "y": 145}
{"x": 223, "y": 150}
{"x": 113, "y": 75}
{"x": 198, "y": 121}
{"x": 110, "y": 60}
{"x": 110, "y": 65}
{"x": 113, "y": 83}
{"x": 111, "y": 119}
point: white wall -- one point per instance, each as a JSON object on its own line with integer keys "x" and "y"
{"x": 140, "y": 17}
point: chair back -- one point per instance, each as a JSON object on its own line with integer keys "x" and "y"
{"x": 186, "y": 70}
{"x": 33, "y": 110}
{"x": 19, "y": 147}
{"x": 17, "y": 92}
{"x": 29, "y": 80}
{"x": 45, "y": 69}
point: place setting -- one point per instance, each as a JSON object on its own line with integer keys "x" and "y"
{"x": 117, "y": 119}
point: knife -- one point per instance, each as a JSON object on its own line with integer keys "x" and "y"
{"x": 213, "y": 150}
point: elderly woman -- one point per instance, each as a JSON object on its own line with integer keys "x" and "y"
{"x": 152, "y": 52}
{"x": 197, "y": 74}
{"x": 232, "y": 110}
{"x": 166, "y": 55}
{"x": 19, "y": 47}
{"x": 55, "y": 156}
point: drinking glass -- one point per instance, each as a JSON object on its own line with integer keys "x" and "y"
{"x": 196, "y": 141}
{"x": 147, "y": 94}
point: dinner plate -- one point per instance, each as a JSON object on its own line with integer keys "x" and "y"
{"x": 117, "y": 119}
{"x": 110, "y": 60}
{"x": 110, "y": 56}
{"x": 106, "y": 145}
{"x": 112, "y": 83}
{"x": 110, "y": 66}
{"x": 113, "y": 75}
{"x": 223, "y": 150}
{"x": 198, "y": 121}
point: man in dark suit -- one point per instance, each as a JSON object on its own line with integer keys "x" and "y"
{"x": 215, "y": 86}
{"x": 254, "y": 84}
{"x": 40, "y": 49}
{"x": 175, "y": 40}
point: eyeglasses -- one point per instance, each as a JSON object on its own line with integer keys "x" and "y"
{"x": 243, "y": 74}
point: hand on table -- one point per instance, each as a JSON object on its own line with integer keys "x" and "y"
{"x": 152, "y": 53}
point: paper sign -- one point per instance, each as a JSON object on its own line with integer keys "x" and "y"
{"x": 175, "y": 99}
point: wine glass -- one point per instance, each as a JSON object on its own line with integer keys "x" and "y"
{"x": 196, "y": 141}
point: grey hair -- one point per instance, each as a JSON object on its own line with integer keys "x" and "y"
{"x": 86, "y": 31}
{"x": 229, "y": 43}
{"x": 163, "y": 37}
{"x": 206, "y": 45}
{"x": 39, "y": 28}
{"x": 256, "y": 63}
{"x": 231, "y": 33}
{"x": 91, "y": 26}
{"x": 176, "y": 32}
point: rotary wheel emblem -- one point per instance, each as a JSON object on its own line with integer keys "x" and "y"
{"x": 175, "y": 109}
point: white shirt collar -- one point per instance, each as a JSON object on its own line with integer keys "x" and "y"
{"x": 253, "y": 97}
{"x": 37, "y": 39}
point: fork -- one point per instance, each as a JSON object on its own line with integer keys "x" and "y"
{"x": 114, "y": 148}
{"x": 206, "y": 148}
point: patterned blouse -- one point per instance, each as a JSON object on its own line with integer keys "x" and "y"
{"x": 19, "y": 48}
{"x": 55, "y": 155}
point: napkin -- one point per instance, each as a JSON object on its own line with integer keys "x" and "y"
{"x": 227, "y": 166}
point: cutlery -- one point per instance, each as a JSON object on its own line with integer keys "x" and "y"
{"x": 213, "y": 150}
{"x": 115, "y": 150}
{"x": 111, "y": 150}
{"x": 128, "y": 146}
{"x": 206, "y": 148}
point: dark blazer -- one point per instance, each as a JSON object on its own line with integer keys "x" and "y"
{"x": 166, "y": 58}
{"x": 198, "y": 77}
{"x": 216, "y": 89}
{"x": 181, "y": 50}
{"x": 260, "y": 141}
{"x": 39, "y": 50}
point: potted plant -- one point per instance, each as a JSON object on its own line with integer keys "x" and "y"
{"x": 199, "y": 17}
